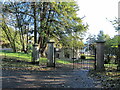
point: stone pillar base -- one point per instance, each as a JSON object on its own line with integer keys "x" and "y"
{"x": 50, "y": 55}
{"x": 35, "y": 53}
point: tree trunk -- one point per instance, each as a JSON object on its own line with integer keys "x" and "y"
{"x": 13, "y": 47}
{"x": 42, "y": 46}
{"x": 43, "y": 54}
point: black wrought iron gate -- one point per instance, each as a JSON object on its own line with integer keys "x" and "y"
{"x": 85, "y": 61}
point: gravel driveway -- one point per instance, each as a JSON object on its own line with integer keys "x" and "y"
{"x": 48, "y": 79}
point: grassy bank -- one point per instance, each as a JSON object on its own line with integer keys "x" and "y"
{"x": 24, "y": 60}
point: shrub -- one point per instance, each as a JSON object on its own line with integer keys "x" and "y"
{"x": 82, "y": 57}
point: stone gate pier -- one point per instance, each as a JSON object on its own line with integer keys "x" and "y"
{"x": 100, "y": 56}
{"x": 50, "y": 55}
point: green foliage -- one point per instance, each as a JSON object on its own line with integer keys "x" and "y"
{"x": 49, "y": 20}
{"x": 91, "y": 39}
{"x": 9, "y": 35}
{"x": 112, "y": 42}
{"x": 113, "y": 66}
{"x": 62, "y": 61}
{"x": 90, "y": 57}
{"x": 111, "y": 49}
{"x": 91, "y": 42}
{"x": 72, "y": 41}
{"x": 82, "y": 57}
{"x": 116, "y": 23}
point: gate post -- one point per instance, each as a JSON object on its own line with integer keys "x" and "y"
{"x": 50, "y": 56}
{"x": 100, "y": 56}
{"x": 35, "y": 53}
{"x": 95, "y": 60}
{"x": 118, "y": 67}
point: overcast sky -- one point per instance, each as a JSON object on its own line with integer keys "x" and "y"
{"x": 96, "y": 12}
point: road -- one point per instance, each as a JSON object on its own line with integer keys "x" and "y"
{"x": 48, "y": 79}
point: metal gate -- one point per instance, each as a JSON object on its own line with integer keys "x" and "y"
{"x": 84, "y": 61}
{"x": 67, "y": 58}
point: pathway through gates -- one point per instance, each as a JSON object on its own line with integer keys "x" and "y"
{"x": 87, "y": 63}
